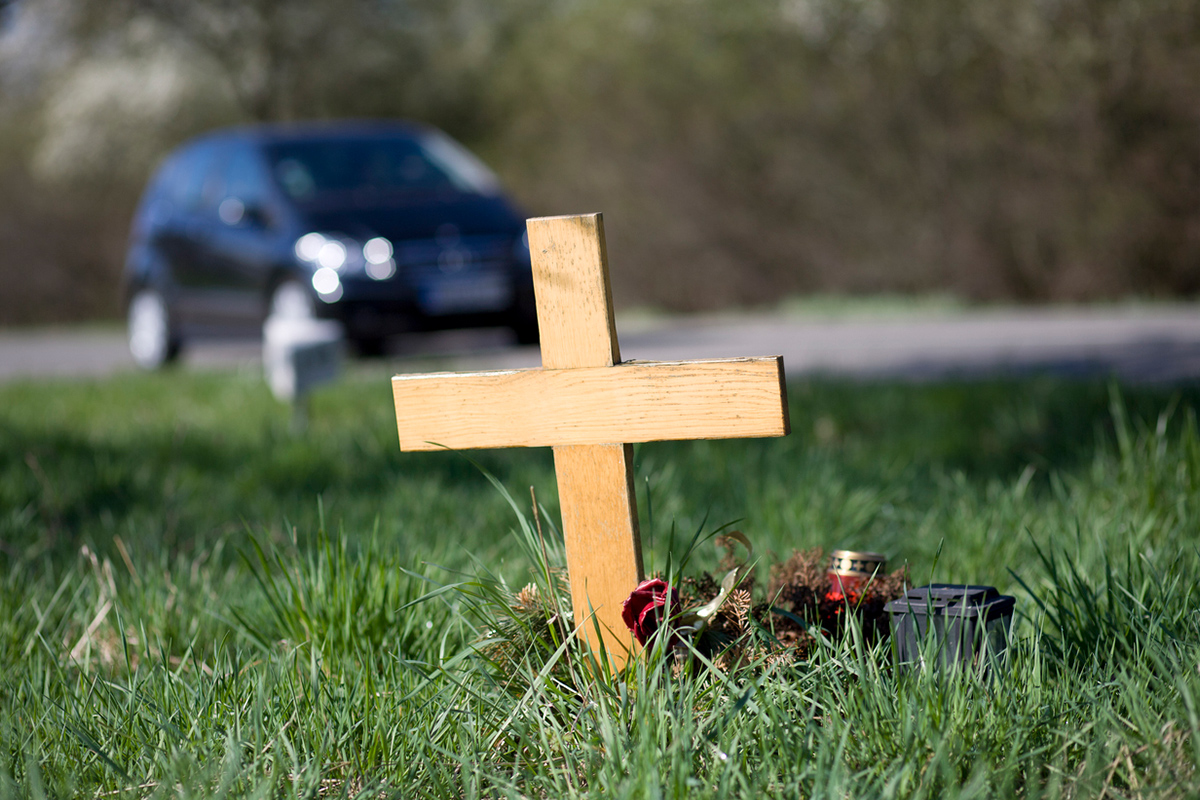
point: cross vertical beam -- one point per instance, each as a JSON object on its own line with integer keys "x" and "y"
{"x": 595, "y": 481}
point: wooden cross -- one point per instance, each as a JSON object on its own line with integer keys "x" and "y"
{"x": 589, "y": 406}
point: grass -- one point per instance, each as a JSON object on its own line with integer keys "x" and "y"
{"x": 196, "y": 601}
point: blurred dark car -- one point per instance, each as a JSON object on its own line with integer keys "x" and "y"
{"x": 386, "y": 227}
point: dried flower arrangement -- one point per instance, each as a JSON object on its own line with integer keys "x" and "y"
{"x": 714, "y": 620}
{"x": 799, "y": 600}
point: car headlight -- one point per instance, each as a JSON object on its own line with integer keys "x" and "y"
{"x": 332, "y": 255}
{"x": 308, "y": 247}
{"x": 378, "y": 253}
{"x": 329, "y": 255}
{"x": 327, "y": 283}
{"x": 377, "y": 250}
{"x": 328, "y": 251}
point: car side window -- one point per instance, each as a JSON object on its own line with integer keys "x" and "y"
{"x": 246, "y": 194}
{"x": 245, "y": 178}
{"x": 213, "y": 189}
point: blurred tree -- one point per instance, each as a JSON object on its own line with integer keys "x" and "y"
{"x": 271, "y": 55}
{"x": 1033, "y": 150}
{"x": 1025, "y": 150}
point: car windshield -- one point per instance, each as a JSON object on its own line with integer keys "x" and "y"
{"x": 313, "y": 170}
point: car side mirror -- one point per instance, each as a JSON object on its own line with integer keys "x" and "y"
{"x": 234, "y": 212}
{"x": 255, "y": 216}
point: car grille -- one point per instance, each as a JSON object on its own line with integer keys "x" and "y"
{"x": 470, "y": 254}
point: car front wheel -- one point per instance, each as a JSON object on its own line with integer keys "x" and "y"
{"x": 151, "y": 342}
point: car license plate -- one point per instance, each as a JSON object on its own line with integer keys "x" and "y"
{"x": 467, "y": 293}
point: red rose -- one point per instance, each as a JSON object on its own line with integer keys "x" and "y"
{"x": 651, "y": 603}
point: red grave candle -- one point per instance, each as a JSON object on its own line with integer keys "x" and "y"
{"x": 851, "y": 570}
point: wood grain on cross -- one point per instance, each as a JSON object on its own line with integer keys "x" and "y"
{"x": 590, "y": 407}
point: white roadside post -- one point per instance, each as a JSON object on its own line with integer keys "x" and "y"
{"x": 300, "y": 354}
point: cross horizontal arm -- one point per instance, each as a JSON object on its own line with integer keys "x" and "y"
{"x": 630, "y": 402}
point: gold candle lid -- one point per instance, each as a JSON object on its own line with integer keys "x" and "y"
{"x": 857, "y": 562}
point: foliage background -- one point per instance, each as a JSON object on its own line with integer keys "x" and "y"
{"x": 1035, "y": 150}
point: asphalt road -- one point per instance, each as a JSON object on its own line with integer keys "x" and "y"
{"x": 1137, "y": 343}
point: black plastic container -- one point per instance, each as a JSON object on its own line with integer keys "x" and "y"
{"x": 970, "y": 625}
